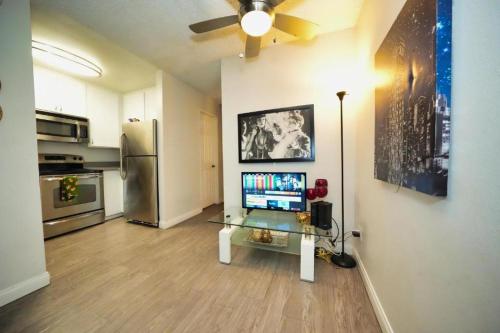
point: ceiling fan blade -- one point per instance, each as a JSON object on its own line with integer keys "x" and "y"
{"x": 214, "y": 24}
{"x": 273, "y": 3}
{"x": 295, "y": 26}
{"x": 252, "y": 47}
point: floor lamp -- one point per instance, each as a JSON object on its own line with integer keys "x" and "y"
{"x": 343, "y": 259}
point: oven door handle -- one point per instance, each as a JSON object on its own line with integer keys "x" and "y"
{"x": 87, "y": 176}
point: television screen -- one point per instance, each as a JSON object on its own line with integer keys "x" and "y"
{"x": 274, "y": 191}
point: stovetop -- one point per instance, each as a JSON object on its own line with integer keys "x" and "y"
{"x": 63, "y": 170}
{"x": 61, "y": 164}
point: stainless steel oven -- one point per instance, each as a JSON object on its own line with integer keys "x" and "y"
{"x": 86, "y": 209}
{"x": 61, "y": 128}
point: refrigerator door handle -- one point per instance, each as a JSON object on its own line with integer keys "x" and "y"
{"x": 123, "y": 171}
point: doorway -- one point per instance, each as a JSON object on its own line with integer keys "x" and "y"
{"x": 209, "y": 159}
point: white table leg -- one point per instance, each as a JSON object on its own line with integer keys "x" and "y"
{"x": 307, "y": 258}
{"x": 225, "y": 244}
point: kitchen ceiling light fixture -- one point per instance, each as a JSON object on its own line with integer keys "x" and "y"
{"x": 64, "y": 60}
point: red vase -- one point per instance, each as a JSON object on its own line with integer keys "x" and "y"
{"x": 322, "y": 191}
{"x": 311, "y": 194}
{"x": 321, "y": 182}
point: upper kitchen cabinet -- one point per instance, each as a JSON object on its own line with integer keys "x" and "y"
{"x": 151, "y": 104}
{"x": 59, "y": 93}
{"x": 133, "y": 105}
{"x": 141, "y": 104}
{"x": 103, "y": 111}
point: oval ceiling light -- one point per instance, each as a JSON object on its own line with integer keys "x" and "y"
{"x": 64, "y": 60}
{"x": 256, "y": 18}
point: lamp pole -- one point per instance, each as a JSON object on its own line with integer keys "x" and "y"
{"x": 343, "y": 259}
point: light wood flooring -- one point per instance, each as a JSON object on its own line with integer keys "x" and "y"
{"x": 120, "y": 277}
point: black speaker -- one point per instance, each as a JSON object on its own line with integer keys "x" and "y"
{"x": 321, "y": 214}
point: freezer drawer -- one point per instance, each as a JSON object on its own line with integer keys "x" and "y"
{"x": 141, "y": 189}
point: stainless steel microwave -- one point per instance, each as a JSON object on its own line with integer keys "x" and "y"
{"x": 58, "y": 127}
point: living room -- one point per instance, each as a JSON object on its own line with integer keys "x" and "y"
{"x": 368, "y": 145}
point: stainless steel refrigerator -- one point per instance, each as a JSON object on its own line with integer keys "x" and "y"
{"x": 139, "y": 171}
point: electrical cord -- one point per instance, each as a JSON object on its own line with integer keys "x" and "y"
{"x": 338, "y": 230}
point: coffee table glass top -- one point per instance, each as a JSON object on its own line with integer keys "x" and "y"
{"x": 265, "y": 219}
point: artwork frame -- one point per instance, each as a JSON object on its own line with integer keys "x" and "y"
{"x": 277, "y": 135}
{"x": 413, "y": 105}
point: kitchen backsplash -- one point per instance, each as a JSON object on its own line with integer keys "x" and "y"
{"x": 89, "y": 154}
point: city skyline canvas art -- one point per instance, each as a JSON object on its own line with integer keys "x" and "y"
{"x": 412, "y": 107}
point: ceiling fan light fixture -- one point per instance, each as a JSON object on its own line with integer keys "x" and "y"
{"x": 256, "y": 18}
{"x": 256, "y": 23}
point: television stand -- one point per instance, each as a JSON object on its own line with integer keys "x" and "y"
{"x": 238, "y": 230}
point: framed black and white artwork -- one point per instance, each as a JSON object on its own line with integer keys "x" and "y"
{"x": 279, "y": 135}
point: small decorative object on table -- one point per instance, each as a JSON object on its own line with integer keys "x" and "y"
{"x": 304, "y": 217}
{"x": 320, "y": 189}
{"x": 268, "y": 237}
{"x": 311, "y": 194}
{"x": 256, "y": 235}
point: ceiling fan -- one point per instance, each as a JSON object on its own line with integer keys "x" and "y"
{"x": 256, "y": 17}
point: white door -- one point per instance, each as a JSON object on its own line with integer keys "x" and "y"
{"x": 209, "y": 158}
{"x": 103, "y": 111}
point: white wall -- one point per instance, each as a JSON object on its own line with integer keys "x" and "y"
{"x": 180, "y": 163}
{"x": 22, "y": 256}
{"x": 290, "y": 75}
{"x": 89, "y": 154}
{"x": 434, "y": 263}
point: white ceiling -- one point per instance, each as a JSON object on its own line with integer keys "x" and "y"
{"x": 157, "y": 30}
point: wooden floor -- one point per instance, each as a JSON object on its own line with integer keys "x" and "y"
{"x": 120, "y": 277}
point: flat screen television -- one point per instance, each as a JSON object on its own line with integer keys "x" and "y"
{"x": 285, "y": 191}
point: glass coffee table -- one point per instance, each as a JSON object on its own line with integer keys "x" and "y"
{"x": 268, "y": 230}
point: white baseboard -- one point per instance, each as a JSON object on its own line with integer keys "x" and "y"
{"x": 114, "y": 216}
{"x": 385, "y": 325}
{"x": 178, "y": 219}
{"x": 23, "y": 288}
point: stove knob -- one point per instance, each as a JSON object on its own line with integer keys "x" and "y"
{"x": 81, "y": 158}
{"x": 74, "y": 158}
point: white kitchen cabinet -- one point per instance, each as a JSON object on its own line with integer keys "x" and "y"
{"x": 133, "y": 105}
{"x": 141, "y": 104}
{"x": 59, "y": 93}
{"x": 103, "y": 111}
{"x": 151, "y": 104}
{"x": 113, "y": 193}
